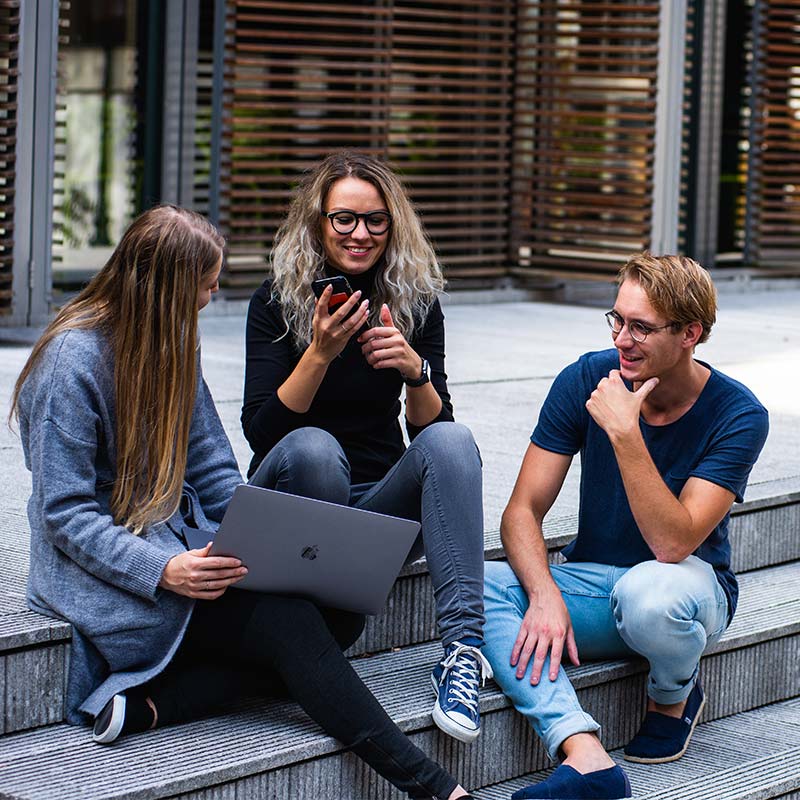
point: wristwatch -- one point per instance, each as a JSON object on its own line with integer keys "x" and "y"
{"x": 424, "y": 376}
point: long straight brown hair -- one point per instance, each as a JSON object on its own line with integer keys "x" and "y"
{"x": 145, "y": 301}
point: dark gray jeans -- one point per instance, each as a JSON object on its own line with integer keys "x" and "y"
{"x": 437, "y": 482}
{"x": 253, "y": 643}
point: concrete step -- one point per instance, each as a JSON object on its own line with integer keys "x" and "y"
{"x": 34, "y": 649}
{"x": 271, "y": 750}
{"x": 749, "y": 756}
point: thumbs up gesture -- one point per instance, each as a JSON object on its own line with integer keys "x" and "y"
{"x": 385, "y": 347}
{"x": 616, "y": 409}
{"x": 386, "y": 316}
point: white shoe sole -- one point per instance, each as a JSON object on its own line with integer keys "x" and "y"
{"x": 114, "y": 727}
{"x": 444, "y": 723}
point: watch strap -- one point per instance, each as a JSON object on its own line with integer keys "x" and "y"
{"x": 424, "y": 376}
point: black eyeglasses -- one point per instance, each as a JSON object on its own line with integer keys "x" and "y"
{"x": 638, "y": 330}
{"x": 344, "y": 222}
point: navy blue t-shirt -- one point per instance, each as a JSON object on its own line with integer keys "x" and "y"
{"x": 718, "y": 439}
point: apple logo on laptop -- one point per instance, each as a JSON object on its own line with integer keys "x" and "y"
{"x": 310, "y": 552}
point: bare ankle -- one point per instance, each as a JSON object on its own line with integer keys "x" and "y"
{"x": 584, "y": 752}
{"x": 668, "y": 709}
{"x": 154, "y": 710}
{"x": 459, "y": 791}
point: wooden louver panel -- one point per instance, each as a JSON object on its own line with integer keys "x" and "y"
{"x": 773, "y": 207}
{"x": 9, "y": 73}
{"x": 204, "y": 75}
{"x": 584, "y": 132}
{"x": 426, "y": 85}
{"x": 450, "y": 125}
{"x": 60, "y": 212}
{"x": 687, "y": 209}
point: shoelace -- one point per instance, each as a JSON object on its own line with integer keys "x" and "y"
{"x": 469, "y": 666}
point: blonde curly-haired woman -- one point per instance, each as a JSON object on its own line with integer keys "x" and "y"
{"x": 323, "y": 387}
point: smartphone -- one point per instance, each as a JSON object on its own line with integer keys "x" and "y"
{"x": 341, "y": 290}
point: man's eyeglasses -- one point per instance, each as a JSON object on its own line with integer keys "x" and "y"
{"x": 344, "y": 222}
{"x": 638, "y": 330}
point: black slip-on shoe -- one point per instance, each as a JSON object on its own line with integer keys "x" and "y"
{"x": 109, "y": 722}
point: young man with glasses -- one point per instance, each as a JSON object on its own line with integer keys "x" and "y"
{"x": 667, "y": 443}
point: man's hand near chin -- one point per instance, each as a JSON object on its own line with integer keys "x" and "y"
{"x": 615, "y": 408}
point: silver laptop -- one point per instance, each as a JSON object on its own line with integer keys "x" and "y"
{"x": 335, "y": 555}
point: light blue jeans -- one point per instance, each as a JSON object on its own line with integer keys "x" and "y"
{"x": 668, "y": 613}
{"x": 437, "y": 482}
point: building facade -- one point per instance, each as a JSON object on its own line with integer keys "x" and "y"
{"x": 537, "y": 137}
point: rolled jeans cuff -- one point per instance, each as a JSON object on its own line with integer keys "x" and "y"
{"x": 566, "y": 726}
{"x": 667, "y": 698}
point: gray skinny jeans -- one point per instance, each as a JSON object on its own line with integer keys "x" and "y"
{"x": 437, "y": 482}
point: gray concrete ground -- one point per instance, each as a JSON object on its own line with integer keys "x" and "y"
{"x": 501, "y": 360}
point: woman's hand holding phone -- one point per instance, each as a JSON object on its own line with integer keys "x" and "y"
{"x": 332, "y": 331}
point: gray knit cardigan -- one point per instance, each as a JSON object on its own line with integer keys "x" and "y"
{"x": 85, "y": 569}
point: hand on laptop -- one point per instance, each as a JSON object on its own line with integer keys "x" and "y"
{"x": 199, "y": 575}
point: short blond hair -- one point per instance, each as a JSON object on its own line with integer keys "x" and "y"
{"x": 677, "y": 287}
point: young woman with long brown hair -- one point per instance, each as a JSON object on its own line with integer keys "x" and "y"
{"x": 126, "y": 450}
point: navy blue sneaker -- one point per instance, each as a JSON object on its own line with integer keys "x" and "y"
{"x": 456, "y": 680}
{"x": 662, "y": 738}
{"x": 566, "y": 783}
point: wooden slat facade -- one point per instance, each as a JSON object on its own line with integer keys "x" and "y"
{"x": 687, "y": 207}
{"x": 426, "y": 85}
{"x": 60, "y": 140}
{"x": 524, "y": 129}
{"x": 584, "y": 132}
{"x": 772, "y": 228}
{"x": 9, "y": 75}
{"x": 204, "y": 77}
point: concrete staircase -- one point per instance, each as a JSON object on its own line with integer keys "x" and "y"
{"x": 748, "y": 746}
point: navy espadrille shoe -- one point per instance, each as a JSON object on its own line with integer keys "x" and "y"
{"x": 662, "y": 738}
{"x": 567, "y": 783}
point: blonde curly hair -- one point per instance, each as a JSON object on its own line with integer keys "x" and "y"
{"x": 410, "y": 277}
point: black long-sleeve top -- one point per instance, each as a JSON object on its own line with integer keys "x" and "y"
{"x": 357, "y": 404}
